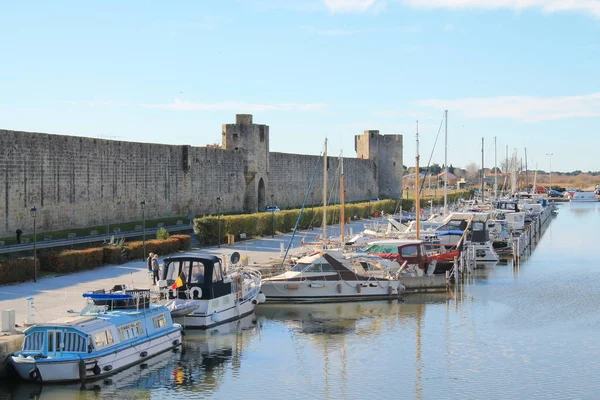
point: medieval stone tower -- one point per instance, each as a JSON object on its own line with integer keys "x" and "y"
{"x": 386, "y": 153}
{"x": 252, "y": 140}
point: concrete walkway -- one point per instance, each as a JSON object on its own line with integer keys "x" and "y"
{"x": 55, "y": 296}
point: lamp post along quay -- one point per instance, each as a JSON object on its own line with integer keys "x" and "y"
{"x": 219, "y": 221}
{"x": 33, "y": 212}
{"x": 143, "y": 204}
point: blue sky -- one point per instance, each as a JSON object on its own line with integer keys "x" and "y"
{"x": 524, "y": 71}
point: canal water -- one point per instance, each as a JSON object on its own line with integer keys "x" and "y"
{"x": 511, "y": 331}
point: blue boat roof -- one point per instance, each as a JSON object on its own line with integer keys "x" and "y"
{"x": 108, "y": 296}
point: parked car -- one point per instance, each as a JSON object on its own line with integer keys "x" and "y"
{"x": 554, "y": 193}
{"x": 540, "y": 190}
{"x": 272, "y": 209}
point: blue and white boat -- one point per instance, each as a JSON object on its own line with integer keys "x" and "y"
{"x": 113, "y": 332}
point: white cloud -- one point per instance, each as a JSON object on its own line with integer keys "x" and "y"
{"x": 585, "y": 6}
{"x": 182, "y": 105}
{"x": 448, "y": 27}
{"x": 344, "y": 6}
{"x": 523, "y": 108}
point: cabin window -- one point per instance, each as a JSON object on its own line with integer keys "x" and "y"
{"x": 103, "y": 339}
{"x": 410, "y": 251}
{"x": 319, "y": 267}
{"x": 54, "y": 341}
{"x": 173, "y": 271}
{"x": 382, "y": 249}
{"x": 217, "y": 273}
{"x": 197, "y": 272}
{"x": 477, "y": 226}
{"x": 34, "y": 342}
{"x": 74, "y": 343}
{"x": 159, "y": 321}
{"x": 130, "y": 331}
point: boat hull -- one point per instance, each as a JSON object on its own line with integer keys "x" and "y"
{"x": 330, "y": 291}
{"x": 204, "y": 319}
{"x": 51, "y": 370}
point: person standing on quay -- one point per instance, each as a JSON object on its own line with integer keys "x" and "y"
{"x": 155, "y": 269}
{"x": 149, "y": 261}
{"x": 19, "y": 232}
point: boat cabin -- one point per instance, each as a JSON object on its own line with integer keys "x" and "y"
{"x": 202, "y": 277}
{"x": 411, "y": 251}
{"x": 507, "y": 206}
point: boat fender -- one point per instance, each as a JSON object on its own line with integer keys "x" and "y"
{"x": 143, "y": 366}
{"x": 196, "y": 292}
{"x": 254, "y": 301}
{"x": 390, "y": 290}
{"x": 215, "y": 316}
{"x": 34, "y": 375}
{"x": 82, "y": 371}
{"x": 96, "y": 370}
{"x": 107, "y": 367}
{"x": 339, "y": 287}
{"x": 175, "y": 342}
{"x": 261, "y": 298}
{"x": 358, "y": 287}
{"x": 144, "y": 354}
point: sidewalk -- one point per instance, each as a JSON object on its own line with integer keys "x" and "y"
{"x": 54, "y": 296}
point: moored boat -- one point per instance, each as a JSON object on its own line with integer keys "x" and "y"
{"x": 113, "y": 332}
{"x": 333, "y": 276}
{"x": 201, "y": 293}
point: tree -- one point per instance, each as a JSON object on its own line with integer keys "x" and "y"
{"x": 435, "y": 168}
{"x": 451, "y": 169}
{"x": 472, "y": 170}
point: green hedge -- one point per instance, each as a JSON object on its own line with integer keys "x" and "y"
{"x": 80, "y": 260}
{"x": 19, "y": 270}
{"x": 134, "y": 250}
{"x": 72, "y": 260}
{"x": 261, "y": 224}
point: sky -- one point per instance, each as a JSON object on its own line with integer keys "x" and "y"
{"x": 526, "y": 72}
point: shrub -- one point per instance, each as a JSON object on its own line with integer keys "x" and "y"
{"x": 162, "y": 234}
{"x": 185, "y": 241}
{"x": 134, "y": 250}
{"x": 73, "y": 260}
{"x": 111, "y": 254}
{"x": 19, "y": 270}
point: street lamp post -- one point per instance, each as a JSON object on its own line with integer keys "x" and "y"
{"x": 33, "y": 212}
{"x": 550, "y": 154}
{"x": 219, "y": 221}
{"x": 272, "y": 217}
{"x": 143, "y": 204}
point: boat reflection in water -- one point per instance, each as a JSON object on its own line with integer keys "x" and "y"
{"x": 153, "y": 373}
{"x": 209, "y": 354}
{"x": 347, "y": 317}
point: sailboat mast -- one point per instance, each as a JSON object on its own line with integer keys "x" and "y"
{"x": 325, "y": 191}
{"x": 342, "y": 199}
{"x": 417, "y": 181}
{"x": 526, "y": 175}
{"x": 482, "y": 171}
{"x": 495, "y": 170}
{"x": 446, "y": 164}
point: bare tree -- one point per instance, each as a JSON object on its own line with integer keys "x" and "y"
{"x": 472, "y": 171}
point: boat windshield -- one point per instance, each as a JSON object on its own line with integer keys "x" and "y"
{"x": 317, "y": 266}
{"x": 382, "y": 249}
